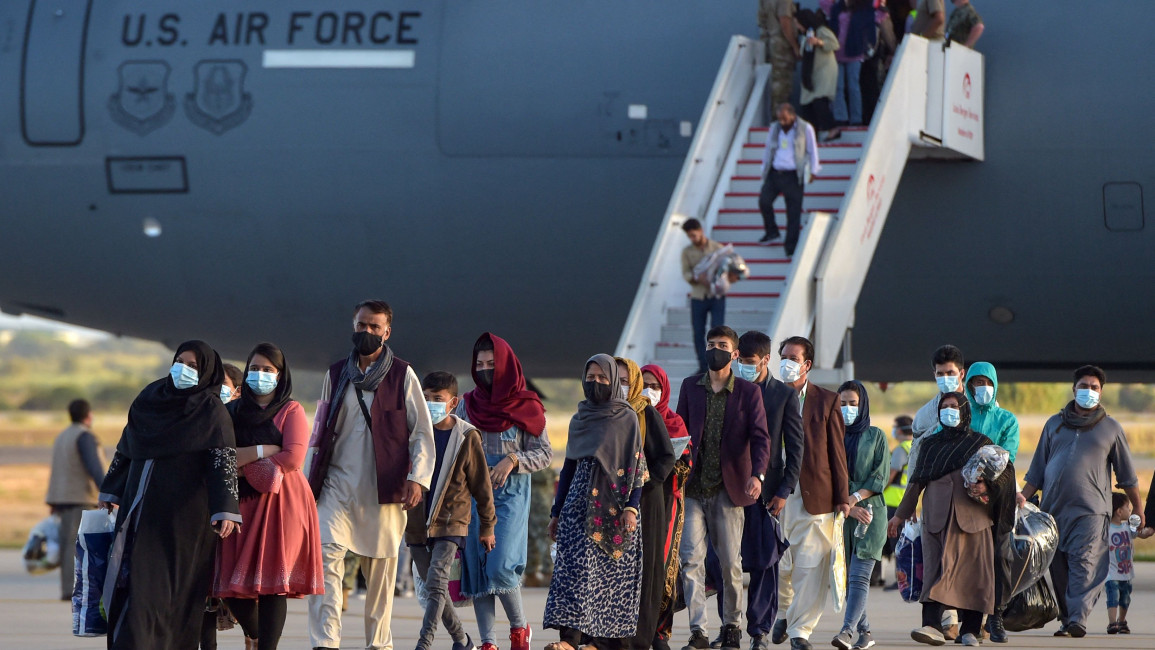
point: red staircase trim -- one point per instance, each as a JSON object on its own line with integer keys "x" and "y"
{"x": 814, "y": 178}
{"x": 743, "y": 294}
{"x": 728, "y": 194}
{"x": 785, "y": 260}
{"x": 769, "y": 278}
{"x": 824, "y": 162}
{"x": 757, "y": 211}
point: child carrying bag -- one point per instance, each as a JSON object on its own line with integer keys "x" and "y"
{"x": 908, "y": 562}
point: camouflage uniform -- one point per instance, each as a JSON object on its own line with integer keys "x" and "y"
{"x": 538, "y": 565}
{"x": 779, "y": 52}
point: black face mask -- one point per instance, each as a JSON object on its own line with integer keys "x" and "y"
{"x": 717, "y": 359}
{"x": 366, "y": 344}
{"x": 485, "y": 377}
{"x": 596, "y": 392}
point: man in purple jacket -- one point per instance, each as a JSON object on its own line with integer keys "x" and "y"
{"x": 731, "y": 447}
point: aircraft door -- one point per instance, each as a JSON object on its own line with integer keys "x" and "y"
{"x": 52, "y": 73}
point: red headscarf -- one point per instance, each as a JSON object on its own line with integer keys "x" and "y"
{"x": 674, "y": 423}
{"x": 508, "y": 402}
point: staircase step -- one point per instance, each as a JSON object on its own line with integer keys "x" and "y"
{"x": 753, "y": 217}
{"x": 823, "y": 201}
{"x": 674, "y": 352}
{"x": 854, "y": 134}
{"x": 833, "y": 151}
{"x": 822, "y": 183}
{"x": 835, "y": 166}
{"x": 740, "y": 235}
{"x": 738, "y": 318}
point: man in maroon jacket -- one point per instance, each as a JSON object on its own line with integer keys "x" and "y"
{"x": 823, "y": 489}
{"x": 731, "y": 447}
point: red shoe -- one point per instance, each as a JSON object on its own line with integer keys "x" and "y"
{"x": 488, "y": 646}
{"x": 519, "y": 638}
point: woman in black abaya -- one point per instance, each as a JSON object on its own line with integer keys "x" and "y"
{"x": 174, "y": 477}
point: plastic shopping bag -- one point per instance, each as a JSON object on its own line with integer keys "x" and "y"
{"x": 1031, "y": 609}
{"x": 1033, "y": 546}
{"x": 93, "y": 542}
{"x": 908, "y": 562}
{"x": 838, "y": 564}
{"x": 42, "y": 551}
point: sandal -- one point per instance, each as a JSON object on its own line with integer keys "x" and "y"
{"x": 1112, "y": 628}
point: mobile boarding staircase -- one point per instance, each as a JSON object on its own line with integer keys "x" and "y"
{"x": 931, "y": 106}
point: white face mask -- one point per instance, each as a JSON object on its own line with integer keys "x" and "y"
{"x": 950, "y": 417}
{"x": 654, "y": 396}
{"x": 984, "y": 394}
{"x": 947, "y": 383}
{"x": 789, "y": 370}
{"x": 1086, "y": 398}
{"x": 849, "y": 414}
{"x": 625, "y": 392}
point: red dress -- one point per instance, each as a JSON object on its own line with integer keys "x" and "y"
{"x": 278, "y": 551}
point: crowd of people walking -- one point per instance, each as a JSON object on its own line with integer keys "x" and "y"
{"x": 655, "y": 507}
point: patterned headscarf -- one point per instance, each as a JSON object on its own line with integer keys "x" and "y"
{"x": 637, "y": 401}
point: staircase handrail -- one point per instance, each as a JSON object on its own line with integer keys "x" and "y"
{"x": 662, "y": 284}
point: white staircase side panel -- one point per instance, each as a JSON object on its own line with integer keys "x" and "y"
{"x": 794, "y": 315}
{"x": 662, "y": 285}
{"x": 898, "y": 122}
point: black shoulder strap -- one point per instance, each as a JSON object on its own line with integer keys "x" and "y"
{"x": 364, "y": 409}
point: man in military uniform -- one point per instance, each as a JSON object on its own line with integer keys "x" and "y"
{"x": 780, "y": 36}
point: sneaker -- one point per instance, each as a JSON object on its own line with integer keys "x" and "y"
{"x": 468, "y": 645}
{"x": 698, "y": 641}
{"x": 969, "y": 640}
{"x": 951, "y": 632}
{"x": 759, "y": 642}
{"x": 731, "y": 637}
{"x": 798, "y": 643}
{"x": 1062, "y": 631}
{"x": 844, "y": 640}
{"x": 778, "y": 634}
{"x": 1123, "y": 629}
{"x": 865, "y": 641}
{"x": 717, "y": 641}
{"x": 928, "y": 635}
{"x": 519, "y": 638}
{"x": 488, "y": 646}
{"x": 1077, "y": 630}
{"x": 660, "y": 644}
{"x": 767, "y": 239}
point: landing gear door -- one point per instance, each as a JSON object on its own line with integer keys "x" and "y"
{"x": 52, "y": 73}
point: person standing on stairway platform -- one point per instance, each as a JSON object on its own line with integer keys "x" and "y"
{"x": 822, "y": 492}
{"x": 791, "y": 147}
{"x": 776, "y": 23}
{"x": 965, "y": 25}
{"x": 701, "y": 303}
{"x": 929, "y": 19}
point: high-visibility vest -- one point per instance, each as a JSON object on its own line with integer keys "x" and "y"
{"x": 893, "y": 493}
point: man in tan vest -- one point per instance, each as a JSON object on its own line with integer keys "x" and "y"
{"x": 78, "y": 467}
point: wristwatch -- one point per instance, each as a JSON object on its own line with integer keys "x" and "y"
{"x": 760, "y": 477}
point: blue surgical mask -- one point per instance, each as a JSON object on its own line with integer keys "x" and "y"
{"x": 747, "y": 372}
{"x": 1086, "y": 398}
{"x": 949, "y": 417}
{"x": 262, "y": 383}
{"x": 183, "y": 376}
{"x": 984, "y": 394}
{"x": 789, "y": 370}
{"x": 437, "y": 411}
{"x": 226, "y": 394}
{"x": 947, "y": 383}
{"x": 849, "y": 414}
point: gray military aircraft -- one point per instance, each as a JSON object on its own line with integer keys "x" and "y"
{"x": 242, "y": 171}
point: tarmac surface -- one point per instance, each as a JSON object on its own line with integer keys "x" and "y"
{"x": 32, "y": 617}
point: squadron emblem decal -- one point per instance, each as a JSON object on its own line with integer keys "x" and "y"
{"x": 218, "y": 101}
{"x": 142, "y": 103}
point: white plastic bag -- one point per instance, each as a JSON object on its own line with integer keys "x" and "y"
{"x": 93, "y": 543}
{"x": 42, "y": 550}
{"x": 838, "y": 564}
